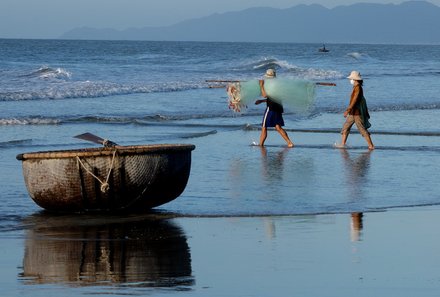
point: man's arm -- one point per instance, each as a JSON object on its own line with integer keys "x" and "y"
{"x": 263, "y": 93}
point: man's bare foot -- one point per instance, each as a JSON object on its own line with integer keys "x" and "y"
{"x": 340, "y": 145}
{"x": 290, "y": 144}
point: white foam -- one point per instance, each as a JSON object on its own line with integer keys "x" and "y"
{"x": 90, "y": 89}
{"x": 29, "y": 121}
{"x": 47, "y": 72}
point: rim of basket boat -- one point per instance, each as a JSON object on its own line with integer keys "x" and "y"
{"x": 107, "y": 151}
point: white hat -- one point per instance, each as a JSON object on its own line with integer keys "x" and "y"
{"x": 355, "y": 75}
{"x": 270, "y": 73}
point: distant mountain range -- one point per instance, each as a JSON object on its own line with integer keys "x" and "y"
{"x": 412, "y": 22}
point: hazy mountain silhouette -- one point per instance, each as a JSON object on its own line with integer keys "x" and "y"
{"x": 409, "y": 22}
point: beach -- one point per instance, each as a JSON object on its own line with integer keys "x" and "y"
{"x": 312, "y": 220}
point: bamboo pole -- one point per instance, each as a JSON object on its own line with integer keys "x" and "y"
{"x": 327, "y": 84}
{"x": 221, "y": 81}
{"x": 217, "y": 87}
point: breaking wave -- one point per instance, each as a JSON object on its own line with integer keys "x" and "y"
{"x": 29, "y": 121}
{"x": 360, "y": 56}
{"x": 46, "y": 72}
{"x": 90, "y": 89}
{"x": 290, "y": 70}
{"x": 194, "y": 117}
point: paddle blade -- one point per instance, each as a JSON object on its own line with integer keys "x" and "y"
{"x": 96, "y": 139}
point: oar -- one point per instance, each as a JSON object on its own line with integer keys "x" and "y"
{"x": 96, "y": 139}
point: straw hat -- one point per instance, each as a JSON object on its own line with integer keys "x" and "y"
{"x": 355, "y": 75}
{"x": 270, "y": 73}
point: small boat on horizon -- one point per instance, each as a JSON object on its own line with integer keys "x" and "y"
{"x": 323, "y": 49}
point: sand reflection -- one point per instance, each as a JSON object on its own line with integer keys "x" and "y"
{"x": 86, "y": 250}
{"x": 356, "y": 172}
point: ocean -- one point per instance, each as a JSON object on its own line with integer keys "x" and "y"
{"x": 142, "y": 92}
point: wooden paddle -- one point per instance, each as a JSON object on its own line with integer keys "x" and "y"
{"x": 96, "y": 139}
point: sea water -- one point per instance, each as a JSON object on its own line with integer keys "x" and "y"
{"x": 156, "y": 92}
{"x": 142, "y": 92}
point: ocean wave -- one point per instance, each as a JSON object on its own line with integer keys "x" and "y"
{"x": 29, "y": 121}
{"x": 314, "y": 74}
{"x": 376, "y": 132}
{"x": 265, "y": 64}
{"x": 46, "y": 72}
{"x": 377, "y": 108}
{"x": 192, "y": 118}
{"x": 408, "y": 73}
{"x": 198, "y": 135}
{"x": 292, "y": 70}
{"x": 90, "y": 89}
{"x": 400, "y": 107}
{"x": 360, "y": 56}
{"x": 15, "y": 143}
{"x": 146, "y": 120}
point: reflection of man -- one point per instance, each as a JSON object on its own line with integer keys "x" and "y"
{"x": 356, "y": 226}
{"x": 273, "y": 164}
{"x": 356, "y": 171}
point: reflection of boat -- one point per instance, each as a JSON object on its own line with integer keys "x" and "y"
{"x": 87, "y": 250}
{"x": 108, "y": 178}
{"x": 323, "y": 49}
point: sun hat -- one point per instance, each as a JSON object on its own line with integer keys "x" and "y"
{"x": 355, "y": 75}
{"x": 270, "y": 73}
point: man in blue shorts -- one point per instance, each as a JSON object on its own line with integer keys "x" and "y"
{"x": 273, "y": 116}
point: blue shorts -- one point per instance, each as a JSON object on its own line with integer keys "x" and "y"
{"x": 272, "y": 118}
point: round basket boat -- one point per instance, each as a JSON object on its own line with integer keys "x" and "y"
{"x": 108, "y": 178}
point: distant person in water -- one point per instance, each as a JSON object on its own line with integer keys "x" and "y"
{"x": 273, "y": 116}
{"x": 356, "y": 112}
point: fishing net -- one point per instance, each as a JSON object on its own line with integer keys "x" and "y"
{"x": 296, "y": 95}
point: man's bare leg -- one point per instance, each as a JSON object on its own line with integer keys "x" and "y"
{"x": 283, "y": 134}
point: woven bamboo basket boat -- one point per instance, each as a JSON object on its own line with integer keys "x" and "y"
{"x": 108, "y": 178}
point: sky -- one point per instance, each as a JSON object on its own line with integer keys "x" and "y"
{"x": 51, "y": 18}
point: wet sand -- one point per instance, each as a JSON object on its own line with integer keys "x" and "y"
{"x": 390, "y": 253}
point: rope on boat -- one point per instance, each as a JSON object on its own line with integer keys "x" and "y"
{"x": 104, "y": 184}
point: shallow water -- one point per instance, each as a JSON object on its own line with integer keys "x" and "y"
{"x": 311, "y": 178}
{"x": 153, "y": 92}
